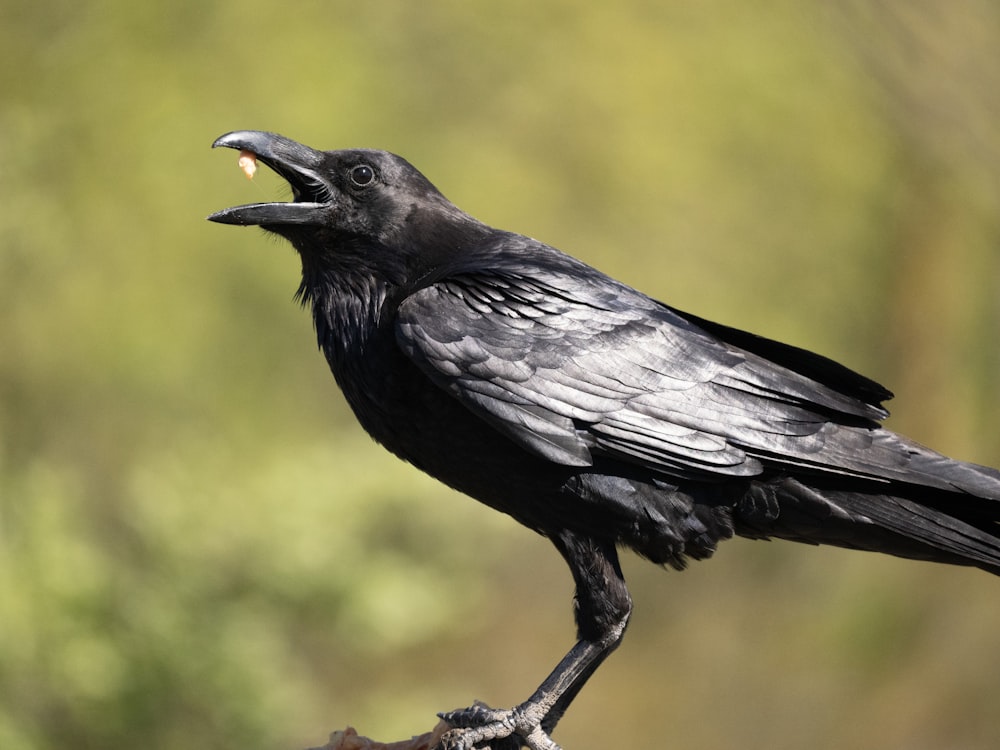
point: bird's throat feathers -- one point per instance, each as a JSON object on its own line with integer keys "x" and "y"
{"x": 347, "y": 307}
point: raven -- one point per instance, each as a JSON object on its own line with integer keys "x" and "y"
{"x": 588, "y": 411}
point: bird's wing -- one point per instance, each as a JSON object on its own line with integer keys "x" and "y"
{"x": 575, "y": 366}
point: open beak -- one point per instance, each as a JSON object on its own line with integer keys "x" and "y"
{"x": 300, "y": 165}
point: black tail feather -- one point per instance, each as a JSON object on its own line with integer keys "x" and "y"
{"x": 903, "y": 520}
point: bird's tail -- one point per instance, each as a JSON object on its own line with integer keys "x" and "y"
{"x": 912, "y": 521}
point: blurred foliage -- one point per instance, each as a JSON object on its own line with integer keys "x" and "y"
{"x": 198, "y": 547}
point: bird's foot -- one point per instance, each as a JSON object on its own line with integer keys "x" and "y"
{"x": 480, "y": 727}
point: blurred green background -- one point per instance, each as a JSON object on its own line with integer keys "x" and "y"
{"x": 198, "y": 546}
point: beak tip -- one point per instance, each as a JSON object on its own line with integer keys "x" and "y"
{"x": 232, "y": 139}
{"x": 227, "y": 216}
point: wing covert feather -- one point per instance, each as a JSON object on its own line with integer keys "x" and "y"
{"x": 579, "y": 370}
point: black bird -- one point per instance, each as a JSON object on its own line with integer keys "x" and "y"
{"x": 588, "y": 411}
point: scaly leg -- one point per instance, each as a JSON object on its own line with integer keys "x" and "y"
{"x": 603, "y": 607}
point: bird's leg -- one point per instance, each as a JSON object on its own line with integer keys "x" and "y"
{"x": 480, "y": 726}
{"x": 603, "y": 607}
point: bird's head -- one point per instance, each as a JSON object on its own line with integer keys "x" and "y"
{"x": 353, "y": 202}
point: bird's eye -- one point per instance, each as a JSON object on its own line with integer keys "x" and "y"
{"x": 362, "y": 175}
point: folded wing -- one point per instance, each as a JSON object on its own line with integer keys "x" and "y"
{"x": 576, "y": 367}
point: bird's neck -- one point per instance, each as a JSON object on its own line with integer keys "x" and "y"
{"x": 346, "y": 312}
{"x": 353, "y": 317}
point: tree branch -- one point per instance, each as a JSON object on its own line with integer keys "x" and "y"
{"x": 349, "y": 739}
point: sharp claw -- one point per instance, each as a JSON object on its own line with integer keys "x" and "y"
{"x": 480, "y": 727}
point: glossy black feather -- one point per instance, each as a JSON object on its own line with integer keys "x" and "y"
{"x": 451, "y": 339}
{"x": 588, "y": 411}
